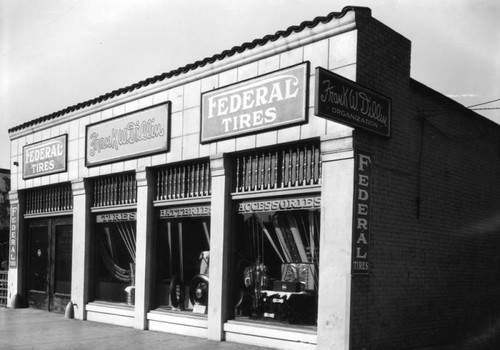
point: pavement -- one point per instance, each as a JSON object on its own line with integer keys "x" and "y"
{"x": 22, "y": 329}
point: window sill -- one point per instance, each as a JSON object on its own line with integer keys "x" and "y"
{"x": 272, "y": 330}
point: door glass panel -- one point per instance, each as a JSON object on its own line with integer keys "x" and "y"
{"x": 39, "y": 259}
{"x": 63, "y": 259}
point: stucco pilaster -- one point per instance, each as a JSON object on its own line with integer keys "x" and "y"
{"x": 334, "y": 300}
{"x": 219, "y": 245}
{"x": 144, "y": 246}
{"x": 80, "y": 263}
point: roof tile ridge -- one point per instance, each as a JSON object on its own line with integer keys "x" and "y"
{"x": 191, "y": 66}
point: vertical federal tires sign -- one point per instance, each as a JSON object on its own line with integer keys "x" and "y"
{"x": 362, "y": 212}
{"x": 131, "y": 135}
{"x": 45, "y": 157}
{"x": 270, "y": 101}
{"x": 14, "y": 233}
{"x": 349, "y": 103}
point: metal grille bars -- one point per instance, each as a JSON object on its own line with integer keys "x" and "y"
{"x": 4, "y": 288}
{"x": 293, "y": 166}
{"x": 49, "y": 199}
{"x": 115, "y": 190}
{"x": 187, "y": 180}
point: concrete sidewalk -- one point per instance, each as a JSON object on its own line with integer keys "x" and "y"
{"x": 34, "y": 329}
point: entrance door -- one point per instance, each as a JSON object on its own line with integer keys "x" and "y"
{"x": 49, "y": 263}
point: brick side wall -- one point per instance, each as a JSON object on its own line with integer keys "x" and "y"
{"x": 435, "y": 221}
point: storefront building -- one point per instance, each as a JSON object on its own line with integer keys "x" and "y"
{"x": 292, "y": 192}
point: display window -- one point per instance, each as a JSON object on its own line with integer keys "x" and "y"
{"x": 182, "y": 260}
{"x": 276, "y": 255}
{"x": 115, "y": 257}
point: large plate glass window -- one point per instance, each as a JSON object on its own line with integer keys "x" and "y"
{"x": 182, "y": 259}
{"x": 276, "y": 255}
{"x": 114, "y": 246}
{"x": 183, "y": 236}
{"x": 114, "y": 257}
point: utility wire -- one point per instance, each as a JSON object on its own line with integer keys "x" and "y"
{"x": 454, "y": 110}
{"x": 480, "y": 104}
{"x": 484, "y": 109}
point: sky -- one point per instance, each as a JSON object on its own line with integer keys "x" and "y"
{"x": 57, "y": 53}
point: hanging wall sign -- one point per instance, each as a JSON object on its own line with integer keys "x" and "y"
{"x": 269, "y": 101}
{"x": 45, "y": 157}
{"x": 140, "y": 133}
{"x": 362, "y": 193}
{"x": 14, "y": 228}
{"x": 346, "y": 102}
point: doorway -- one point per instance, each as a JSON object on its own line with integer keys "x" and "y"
{"x": 49, "y": 263}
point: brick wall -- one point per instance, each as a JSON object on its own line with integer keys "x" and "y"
{"x": 435, "y": 220}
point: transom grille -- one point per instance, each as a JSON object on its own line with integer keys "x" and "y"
{"x": 115, "y": 190}
{"x": 187, "y": 180}
{"x": 49, "y": 199}
{"x": 294, "y": 166}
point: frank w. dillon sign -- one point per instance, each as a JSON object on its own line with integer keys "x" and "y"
{"x": 269, "y": 101}
{"x": 347, "y": 102}
{"x": 128, "y": 136}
